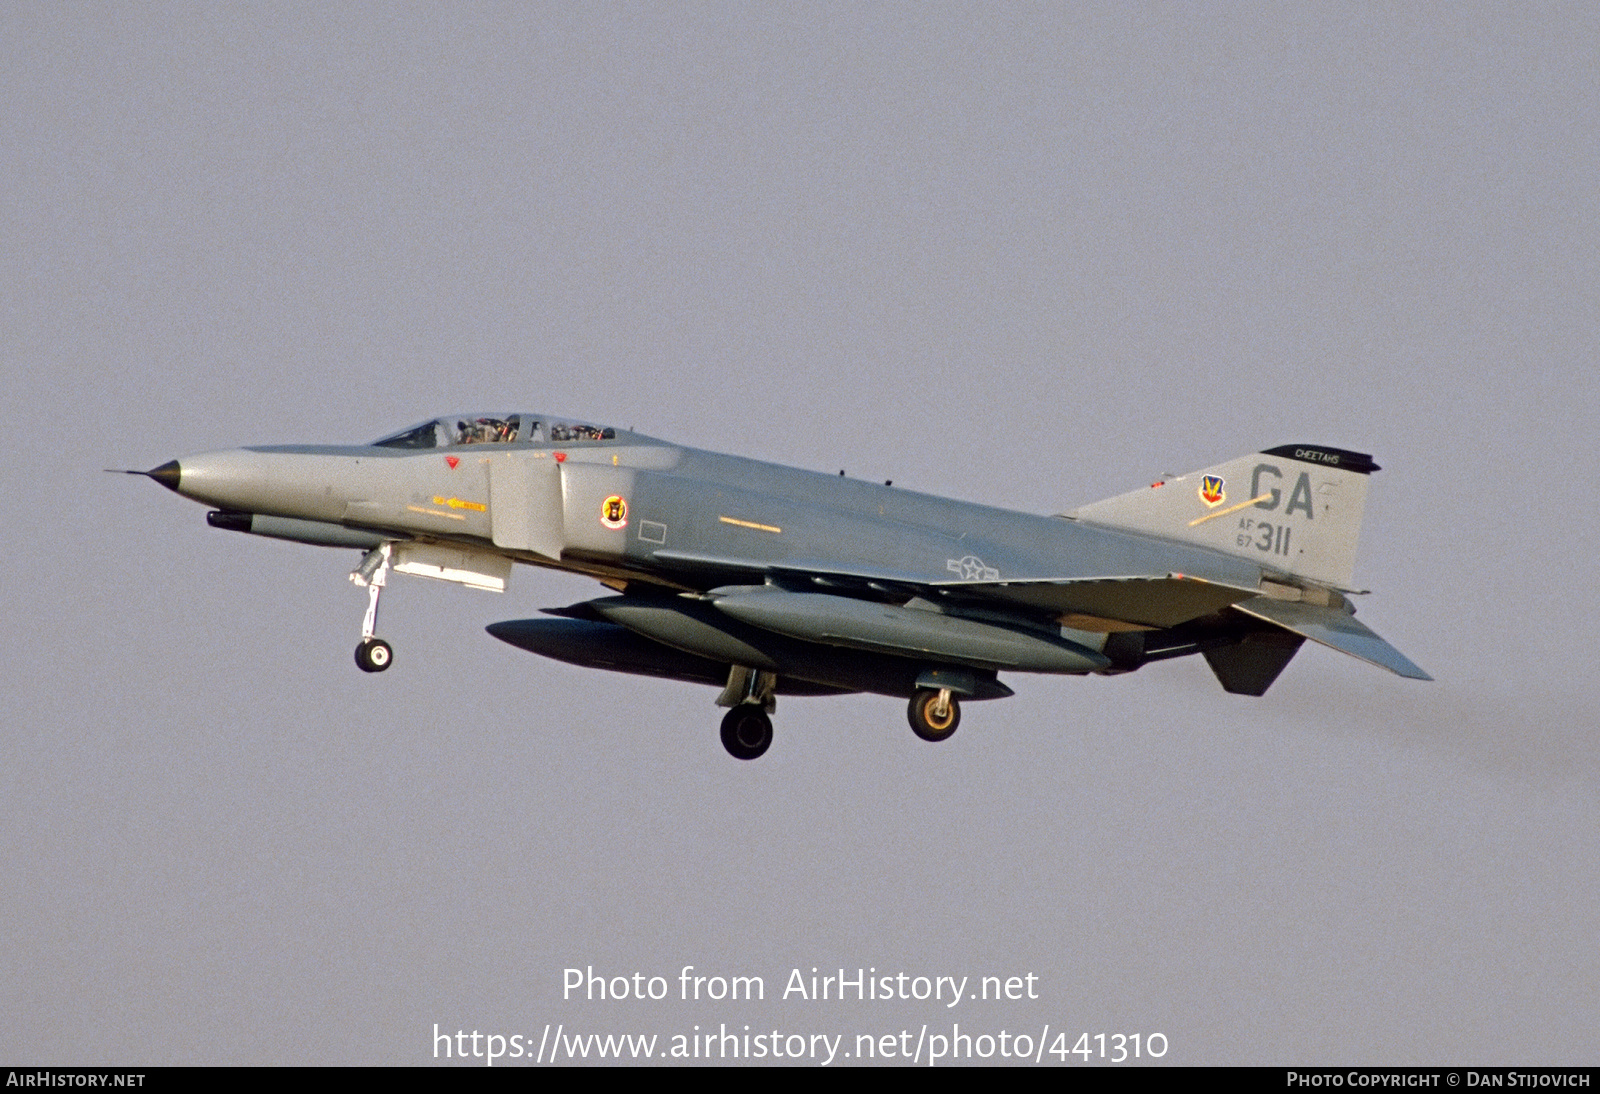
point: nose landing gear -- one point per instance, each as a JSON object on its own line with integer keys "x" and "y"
{"x": 373, "y": 654}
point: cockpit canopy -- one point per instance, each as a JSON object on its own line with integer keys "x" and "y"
{"x": 454, "y": 430}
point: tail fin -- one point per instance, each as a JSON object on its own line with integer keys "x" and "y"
{"x": 1295, "y": 509}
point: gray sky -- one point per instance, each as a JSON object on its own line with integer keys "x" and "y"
{"x": 1026, "y": 255}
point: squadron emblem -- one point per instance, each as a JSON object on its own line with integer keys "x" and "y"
{"x": 1211, "y": 491}
{"x": 614, "y": 512}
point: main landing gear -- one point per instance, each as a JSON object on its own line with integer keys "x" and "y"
{"x": 373, "y": 654}
{"x": 934, "y": 715}
{"x": 746, "y": 731}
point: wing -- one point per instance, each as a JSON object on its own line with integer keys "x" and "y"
{"x": 1139, "y": 602}
{"x": 1114, "y": 603}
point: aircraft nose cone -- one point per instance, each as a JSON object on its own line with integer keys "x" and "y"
{"x": 168, "y": 474}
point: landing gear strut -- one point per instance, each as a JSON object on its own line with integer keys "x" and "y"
{"x": 373, "y": 654}
{"x": 933, "y": 715}
{"x": 746, "y": 731}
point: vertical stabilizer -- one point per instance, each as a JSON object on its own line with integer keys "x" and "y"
{"x": 1295, "y": 509}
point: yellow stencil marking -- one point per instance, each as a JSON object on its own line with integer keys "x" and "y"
{"x": 1229, "y": 509}
{"x": 751, "y": 524}
{"x": 435, "y": 512}
{"x": 457, "y": 503}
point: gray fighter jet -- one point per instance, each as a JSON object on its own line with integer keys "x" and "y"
{"x": 764, "y": 580}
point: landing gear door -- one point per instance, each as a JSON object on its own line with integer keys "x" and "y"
{"x": 525, "y": 503}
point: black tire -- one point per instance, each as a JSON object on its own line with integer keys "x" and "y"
{"x": 746, "y": 732}
{"x": 927, "y": 724}
{"x": 374, "y": 655}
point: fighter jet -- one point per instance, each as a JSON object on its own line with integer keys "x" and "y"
{"x": 764, "y": 580}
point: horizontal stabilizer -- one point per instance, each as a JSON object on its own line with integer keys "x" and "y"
{"x": 1335, "y": 629}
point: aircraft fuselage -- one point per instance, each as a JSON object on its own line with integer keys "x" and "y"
{"x": 772, "y": 579}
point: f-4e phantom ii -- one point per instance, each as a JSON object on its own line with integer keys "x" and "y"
{"x": 764, "y": 580}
